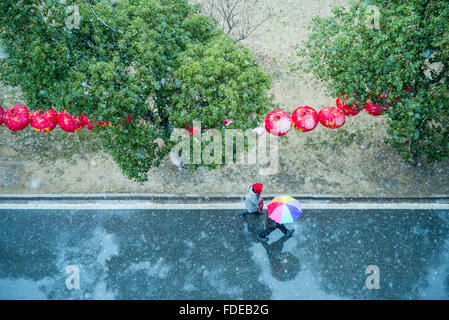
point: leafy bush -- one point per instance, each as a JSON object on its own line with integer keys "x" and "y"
{"x": 159, "y": 61}
{"x": 407, "y": 57}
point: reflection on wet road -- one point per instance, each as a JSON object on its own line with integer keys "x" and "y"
{"x": 216, "y": 255}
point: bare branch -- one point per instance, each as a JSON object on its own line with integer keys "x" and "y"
{"x": 235, "y": 17}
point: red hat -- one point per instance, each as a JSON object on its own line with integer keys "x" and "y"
{"x": 257, "y": 187}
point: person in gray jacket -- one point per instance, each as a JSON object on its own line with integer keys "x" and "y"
{"x": 253, "y": 200}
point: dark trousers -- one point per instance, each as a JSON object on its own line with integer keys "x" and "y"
{"x": 257, "y": 213}
{"x": 270, "y": 229}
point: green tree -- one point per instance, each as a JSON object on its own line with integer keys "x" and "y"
{"x": 159, "y": 61}
{"x": 405, "y": 56}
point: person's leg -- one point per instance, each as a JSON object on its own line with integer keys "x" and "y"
{"x": 285, "y": 230}
{"x": 266, "y": 232}
{"x": 263, "y": 236}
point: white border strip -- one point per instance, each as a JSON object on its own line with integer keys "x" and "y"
{"x": 228, "y": 197}
{"x": 110, "y": 205}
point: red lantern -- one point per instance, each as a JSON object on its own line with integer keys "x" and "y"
{"x": 17, "y": 117}
{"x": 305, "y": 118}
{"x": 373, "y": 109}
{"x": 278, "y": 122}
{"x": 382, "y": 101}
{"x": 410, "y": 90}
{"x": 331, "y": 117}
{"x": 192, "y": 130}
{"x": 103, "y": 124}
{"x": 227, "y": 122}
{"x": 69, "y": 123}
{"x": 379, "y": 105}
{"x": 348, "y": 110}
{"x": 45, "y": 122}
{"x": 128, "y": 118}
{"x": 2, "y": 115}
{"x": 88, "y": 123}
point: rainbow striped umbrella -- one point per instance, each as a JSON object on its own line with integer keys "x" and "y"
{"x": 284, "y": 209}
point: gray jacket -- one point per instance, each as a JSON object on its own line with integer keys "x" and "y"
{"x": 251, "y": 200}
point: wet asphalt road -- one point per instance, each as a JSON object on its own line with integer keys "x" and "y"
{"x": 216, "y": 255}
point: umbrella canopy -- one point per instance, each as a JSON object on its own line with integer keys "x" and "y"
{"x": 284, "y": 209}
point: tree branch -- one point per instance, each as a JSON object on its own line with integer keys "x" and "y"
{"x": 233, "y": 15}
{"x": 92, "y": 9}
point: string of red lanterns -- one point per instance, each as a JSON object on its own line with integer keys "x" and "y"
{"x": 18, "y": 117}
{"x": 278, "y": 122}
{"x": 305, "y": 118}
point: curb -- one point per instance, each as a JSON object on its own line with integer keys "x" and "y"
{"x": 210, "y": 202}
{"x": 112, "y": 206}
{"x": 222, "y": 198}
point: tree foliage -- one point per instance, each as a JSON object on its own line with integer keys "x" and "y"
{"x": 406, "y": 57}
{"x": 159, "y": 61}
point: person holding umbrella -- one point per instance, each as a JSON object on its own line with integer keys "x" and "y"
{"x": 253, "y": 200}
{"x": 281, "y": 210}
